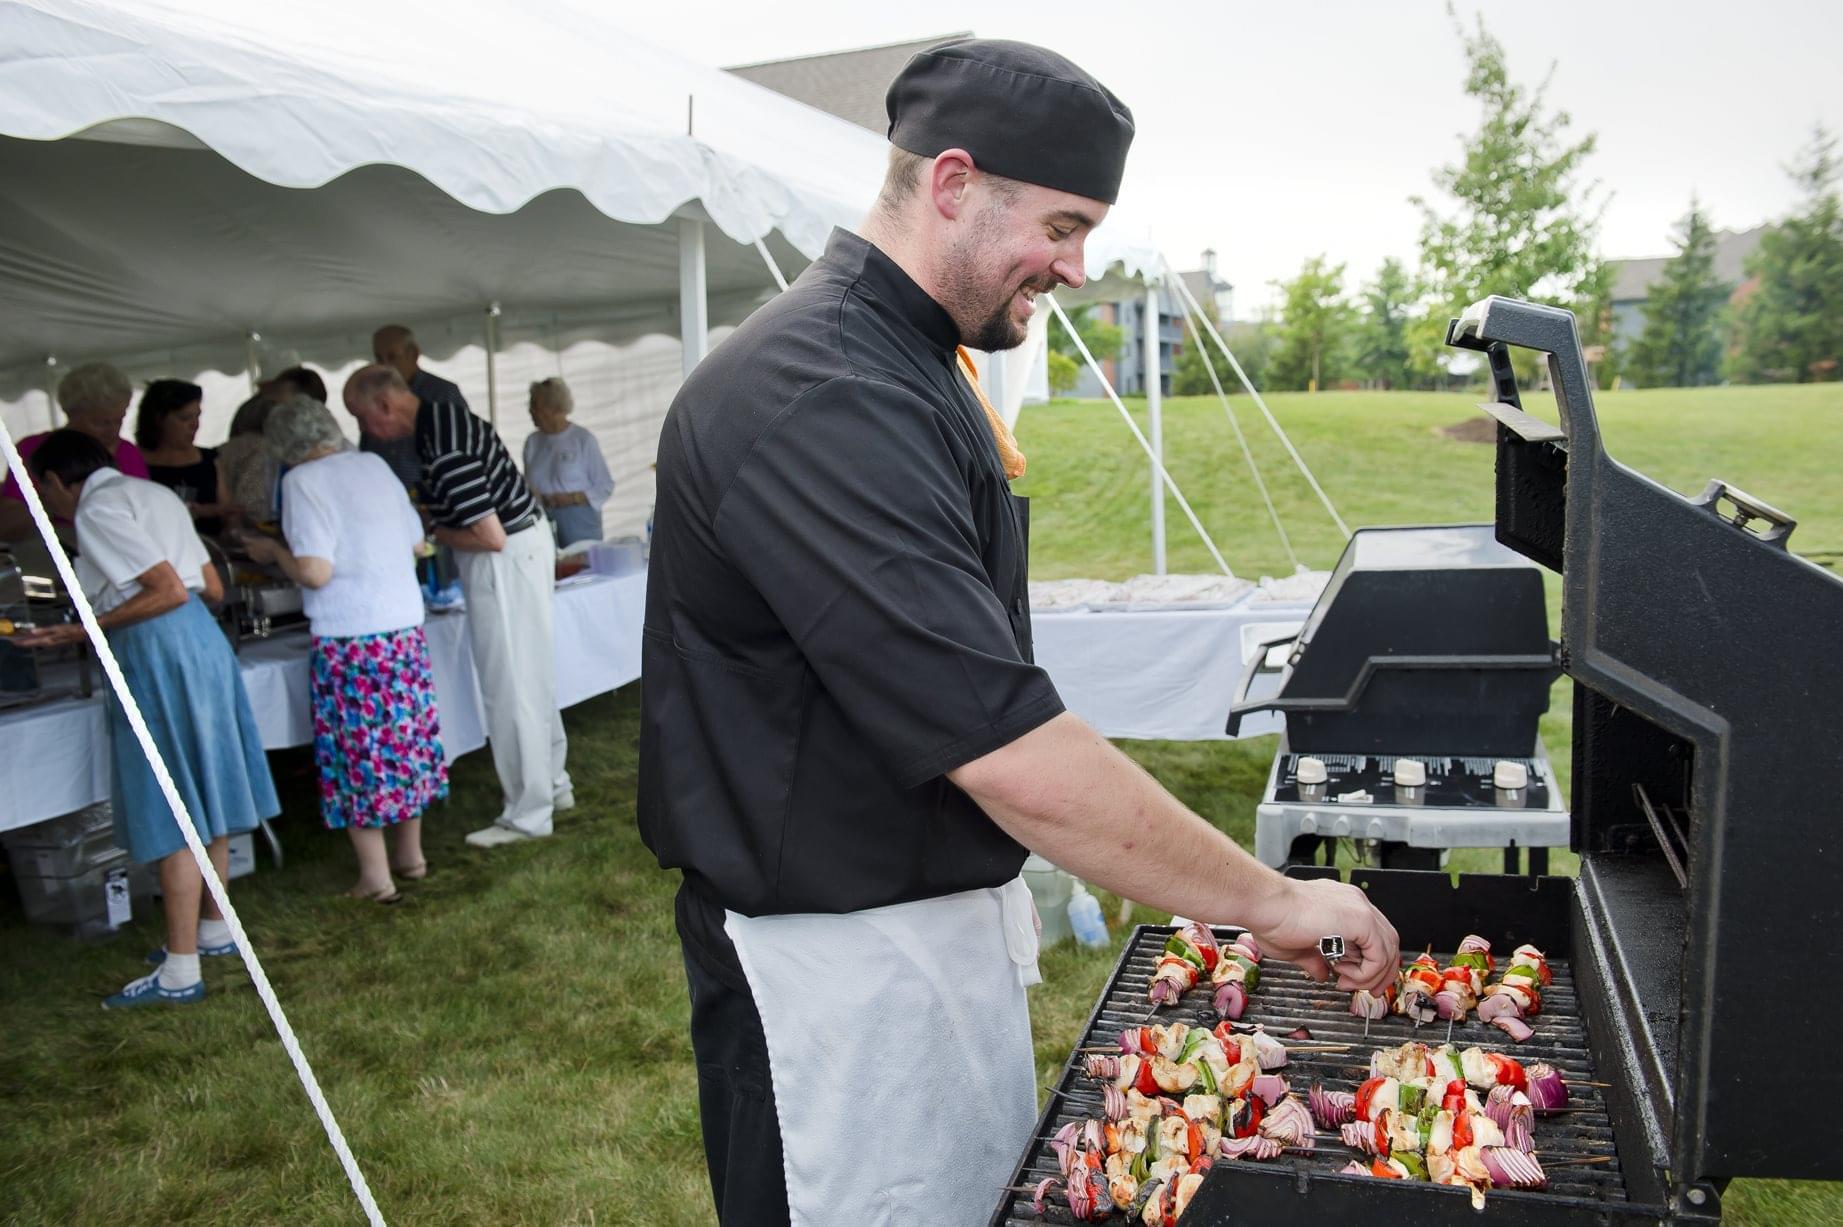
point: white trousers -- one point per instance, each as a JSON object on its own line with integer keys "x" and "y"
{"x": 511, "y": 624}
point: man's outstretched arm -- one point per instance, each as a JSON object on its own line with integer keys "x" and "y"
{"x": 1065, "y": 792}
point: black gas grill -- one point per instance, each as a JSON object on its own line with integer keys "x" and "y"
{"x": 1692, "y": 955}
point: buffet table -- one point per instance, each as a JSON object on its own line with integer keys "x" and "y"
{"x": 1162, "y": 674}
{"x": 54, "y": 757}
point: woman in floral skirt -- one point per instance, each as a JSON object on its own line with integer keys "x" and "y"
{"x": 351, "y": 545}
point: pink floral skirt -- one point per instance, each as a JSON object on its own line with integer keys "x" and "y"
{"x": 377, "y": 738}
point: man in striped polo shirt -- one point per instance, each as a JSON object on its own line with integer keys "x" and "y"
{"x": 482, "y": 509}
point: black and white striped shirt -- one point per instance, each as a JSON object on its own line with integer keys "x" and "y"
{"x": 466, "y": 470}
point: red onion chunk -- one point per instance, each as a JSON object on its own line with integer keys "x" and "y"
{"x": 1202, "y": 936}
{"x": 1353, "y": 1168}
{"x": 1094, "y": 1137}
{"x": 1100, "y": 1066}
{"x": 1449, "y": 1007}
{"x": 1548, "y": 1091}
{"x": 1299, "y": 1034}
{"x": 1289, "y": 1124}
{"x": 1499, "y": 1005}
{"x": 1044, "y": 1188}
{"x": 1512, "y": 1169}
{"x": 1331, "y": 1108}
{"x": 1064, "y": 1145}
{"x": 1474, "y": 944}
{"x": 1164, "y": 992}
{"x": 1497, "y": 1105}
{"x": 1249, "y": 946}
{"x": 1256, "y": 1147}
{"x": 1365, "y": 1004}
{"x": 1113, "y": 1101}
{"x": 1519, "y": 1134}
{"x": 1359, "y": 1135}
{"x": 1269, "y": 1088}
{"x": 1231, "y": 1000}
{"x": 1513, "y": 1026}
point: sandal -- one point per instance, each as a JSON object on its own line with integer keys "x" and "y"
{"x": 382, "y": 897}
{"x": 412, "y": 873}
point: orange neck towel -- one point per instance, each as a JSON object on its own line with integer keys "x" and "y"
{"x": 1008, "y": 453}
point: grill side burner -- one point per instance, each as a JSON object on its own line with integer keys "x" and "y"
{"x": 1428, "y": 910}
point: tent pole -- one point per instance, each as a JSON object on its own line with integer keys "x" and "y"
{"x": 492, "y": 364}
{"x": 1154, "y": 401}
{"x": 250, "y": 364}
{"x": 51, "y": 390}
{"x": 693, "y": 303}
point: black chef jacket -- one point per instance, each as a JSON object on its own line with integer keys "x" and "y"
{"x": 836, "y": 612}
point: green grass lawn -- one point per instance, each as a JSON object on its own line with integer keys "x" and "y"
{"x": 509, "y": 1046}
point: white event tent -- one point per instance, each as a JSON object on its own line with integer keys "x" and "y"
{"x": 217, "y": 189}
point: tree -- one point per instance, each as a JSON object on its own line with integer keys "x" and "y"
{"x": 1102, "y": 340}
{"x": 1680, "y": 346}
{"x": 1063, "y": 372}
{"x": 1520, "y": 222}
{"x": 1791, "y": 325}
{"x": 1381, "y": 341}
{"x": 1314, "y": 325}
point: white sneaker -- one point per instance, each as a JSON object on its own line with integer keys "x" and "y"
{"x": 496, "y": 835}
{"x": 563, "y": 800}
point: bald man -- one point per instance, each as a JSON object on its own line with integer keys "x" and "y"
{"x": 395, "y": 346}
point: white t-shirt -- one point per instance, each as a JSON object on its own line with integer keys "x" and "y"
{"x": 351, "y": 510}
{"x": 126, "y": 526}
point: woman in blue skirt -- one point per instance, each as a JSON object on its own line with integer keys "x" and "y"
{"x": 143, "y": 567}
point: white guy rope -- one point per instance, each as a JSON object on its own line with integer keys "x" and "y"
{"x": 1209, "y": 364}
{"x": 218, "y": 894}
{"x": 1267, "y": 413}
{"x": 774, "y": 270}
{"x": 1133, "y": 426}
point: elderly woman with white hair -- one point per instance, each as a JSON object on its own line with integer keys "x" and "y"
{"x": 564, "y": 465}
{"x": 352, "y": 538}
{"x": 94, "y": 398}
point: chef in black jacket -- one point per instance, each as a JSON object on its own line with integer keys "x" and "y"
{"x": 844, "y": 744}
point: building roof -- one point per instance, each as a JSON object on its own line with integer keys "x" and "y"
{"x": 848, "y": 84}
{"x": 1203, "y": 284}
{"x": 1632, "y": 279}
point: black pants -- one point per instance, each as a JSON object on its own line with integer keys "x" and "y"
{"x": 742, "y": 1134}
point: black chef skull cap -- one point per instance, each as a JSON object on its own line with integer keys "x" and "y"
{"x": 1021, "y": 111}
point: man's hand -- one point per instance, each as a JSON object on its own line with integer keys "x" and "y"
{"x": 1311, "y": 909}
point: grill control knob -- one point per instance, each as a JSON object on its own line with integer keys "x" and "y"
{"x": 1410, "y": 773}
{"x": 1509, "y": 775}
{"x": 1312, "y": 771}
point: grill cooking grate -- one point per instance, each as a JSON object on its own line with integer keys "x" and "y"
{"x": 1286, "y": 1000}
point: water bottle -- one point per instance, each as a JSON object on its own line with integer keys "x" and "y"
{"x": 1085, "y": 918}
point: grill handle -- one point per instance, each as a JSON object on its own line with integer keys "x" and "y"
{"x": 1747, "y": 511}
{"x": 1257, "y": 665}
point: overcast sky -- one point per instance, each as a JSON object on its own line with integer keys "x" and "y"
{"x": 1276, "y": 131}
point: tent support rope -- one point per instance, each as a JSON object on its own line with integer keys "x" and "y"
{"x": 1267, "y": 413}
{"x": 1145, "y": 446}
{"x": 1209, "y": 364}
{"x": 219, "y": 895}
{"x": 774, "y": 270}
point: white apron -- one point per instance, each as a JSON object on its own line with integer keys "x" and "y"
{"x": 899, "y": 1042}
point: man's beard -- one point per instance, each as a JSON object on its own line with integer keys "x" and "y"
{"x": 992, "y": 328}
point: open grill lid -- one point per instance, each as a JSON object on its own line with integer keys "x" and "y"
{"x": 1427, "y": 639}
{"x": 1708, "y": 758}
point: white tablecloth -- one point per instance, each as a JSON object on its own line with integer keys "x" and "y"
{"x": 1166, "y": 674}
{"x": 54, "y": 758}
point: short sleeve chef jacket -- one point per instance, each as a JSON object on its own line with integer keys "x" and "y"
{"x": 836, "y": 611}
